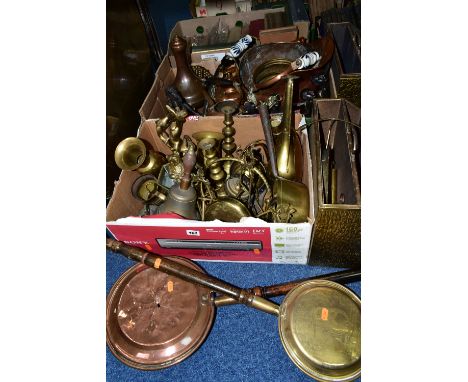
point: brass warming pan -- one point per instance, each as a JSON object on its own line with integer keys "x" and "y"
{"x": 318, "y": 320}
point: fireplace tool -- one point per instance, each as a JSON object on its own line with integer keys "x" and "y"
{"x": 318, "y": 320}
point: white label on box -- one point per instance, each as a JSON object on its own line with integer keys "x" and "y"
{"x": 215, "y": 56}
{"x": 192, "y": 233}
{"x": 290, "y": 243}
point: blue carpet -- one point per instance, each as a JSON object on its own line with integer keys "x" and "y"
{"x": 243, "y": 345}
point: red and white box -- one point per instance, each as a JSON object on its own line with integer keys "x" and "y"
{"x": 250, "y": 240}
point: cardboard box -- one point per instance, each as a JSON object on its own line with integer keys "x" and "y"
{"x": 154, "y": 104}
{"x": 298, "y": 15}
{"x": 213, "y": 8}
{"x": 254, "y": 239}
{"x": 285, "y": 34}
{"x": 187, "y": 28}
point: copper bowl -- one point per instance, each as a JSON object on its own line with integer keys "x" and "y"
{"x": 154, "y": 320}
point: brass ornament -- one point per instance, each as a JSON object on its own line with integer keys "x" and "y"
{"x": 135, "y": 154}
{"x": 146, "y": 188}
{"x": 186, "y": 82}
{"x": 290, "y": 199}
{"x": 226, "y": 209}
{"x": 182, "y": 198}
{"x": 288, "y": 149}
{"x": 228, "y": 108}
{"x": 169, "y": 129}
{"x": 208, "y": 147}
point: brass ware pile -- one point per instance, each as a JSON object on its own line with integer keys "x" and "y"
{"x": 208, "y": 177}
{"x": 249, "y": 74}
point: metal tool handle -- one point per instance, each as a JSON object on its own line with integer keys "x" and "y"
{"x": 308, "y": 59}
{"x": 240, "y": 46}
{"x": 266, "y": 124}
{"x": 190, "y": 275}
{"x": 341, "y": 277}
{"x": 188, "y": 161}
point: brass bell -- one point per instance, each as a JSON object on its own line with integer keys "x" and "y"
{"x": 182, "y": 198}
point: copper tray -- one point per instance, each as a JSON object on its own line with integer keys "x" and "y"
{"x": 154, "y": 320}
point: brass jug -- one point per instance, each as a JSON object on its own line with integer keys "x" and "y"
{"x": 288, "y": 149}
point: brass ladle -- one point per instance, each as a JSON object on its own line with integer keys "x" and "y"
{"x": 318, "y": 321}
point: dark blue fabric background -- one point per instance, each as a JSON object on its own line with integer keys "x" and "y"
{"x": 244, "y": 343}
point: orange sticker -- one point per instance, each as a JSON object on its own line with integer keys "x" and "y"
{"x": 256, "y": 251}
{"x": 157, "y": 263}
{"x": 324, "y": 314}
{"x": 148, "y": 247}
{"x": 170, "y": 286}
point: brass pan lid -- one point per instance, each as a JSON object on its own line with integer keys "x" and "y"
{"x": 320, "y": 328}
{"x": 154, "y": 320}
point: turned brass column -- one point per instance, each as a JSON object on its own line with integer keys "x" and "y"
{"x": 217, "y": 174}
{"x": 228, "y": 145}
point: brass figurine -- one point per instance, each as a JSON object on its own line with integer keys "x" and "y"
{"x": 169, "y": 129}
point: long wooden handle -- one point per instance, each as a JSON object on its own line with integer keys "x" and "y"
{"x": 341, "y": 277}
{"x": 183, "y": 272}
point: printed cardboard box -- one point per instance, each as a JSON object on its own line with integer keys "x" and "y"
{"x": 251, "y": 240}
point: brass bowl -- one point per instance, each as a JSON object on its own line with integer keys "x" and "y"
{"x": 269, "y": 69}
{"x": 226, "y": 209}
{"x": 207, "y": 134}
{"x": 151, "y": 324}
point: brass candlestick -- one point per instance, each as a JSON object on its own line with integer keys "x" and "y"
{"x": 217, "y": 174}
{"x": 228, "y": 146}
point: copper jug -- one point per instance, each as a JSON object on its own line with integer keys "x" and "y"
{"x": 188, "y": 85}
